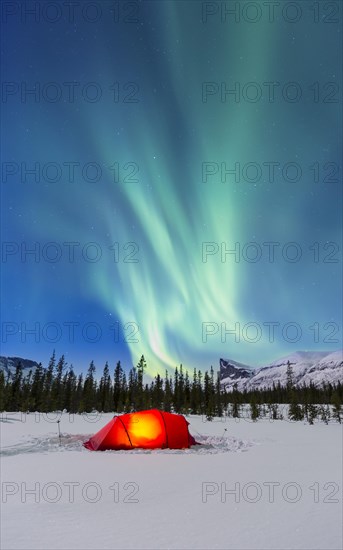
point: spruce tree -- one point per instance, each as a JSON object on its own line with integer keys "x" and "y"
{"x": 200, "y": 392}
{"x": 181, "y": 391}
{"x": 235, "y": 407}
{"x": 218, "y": 398}
{"x": 311, "y": 413}
{"x": 273, "y": 411}
{"x": 70, "y": 391}
{"x": 194, "y": 403}
{"x": 56, "y": 402}
{"x": 37, "y": 389}
{"x": 89, "y": 389}
{"x": 118, "y": 400}
{"x": 16, "y": 389}
{"x": 209, "y": 394}
{"x": 26, "y": 398}
{"x": 295, "y": 411}
{"x": 168, "y": 394}
{"x": 48, "y": 381}
{"x": 254, "y": 409}
{"x": 139, "y": 398}
{"x": 131, "y": 396}
{"x": 122, "y": 394}
{"x": 2, "y": 391}
{"x": 325, "y": 414}
{"x": 289, "y": 380}
{"x": 207, "y": 407}
{"x": 105, "y": 390}
{"x": 157, "y": 392}
{"x": 336, "y": 406}
{"x": 176, "y": 395}
{"x": 79, "y": 393}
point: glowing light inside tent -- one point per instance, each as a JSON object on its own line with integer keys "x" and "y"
{"x": 144, "y": 428}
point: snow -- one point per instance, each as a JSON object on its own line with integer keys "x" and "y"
{"x": 9, "y": 365}
{"x": 233, "y": 363}
{"x": 167, "y": 499}
{"x": 307, "y": 367}
{"x": 299, "y": 357}
{"x": 334, "y": 358}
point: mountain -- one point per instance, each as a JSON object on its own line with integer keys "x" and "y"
{"x": 307, "y": 366}
{"x": 234, "y": 371}
{"x": 9, "y": 365}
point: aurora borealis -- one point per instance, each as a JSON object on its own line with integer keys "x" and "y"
{"x": 155, "y": 128}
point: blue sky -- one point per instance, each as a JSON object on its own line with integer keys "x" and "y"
{"x": 162, "y": 136}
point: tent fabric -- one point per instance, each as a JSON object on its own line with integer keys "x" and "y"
{"x": 151, "y": 429}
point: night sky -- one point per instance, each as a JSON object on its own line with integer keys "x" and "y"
{"x": 163, "y": 135}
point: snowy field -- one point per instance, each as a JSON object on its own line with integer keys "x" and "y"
{"x": 266, "y": 485}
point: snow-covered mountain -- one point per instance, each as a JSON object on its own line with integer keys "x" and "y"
{"x": 308, "y": 366}
{"x": 9, "y": 365}
{"x": 234, "y": 371}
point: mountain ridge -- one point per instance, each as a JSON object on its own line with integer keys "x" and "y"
{"x": 9, "y": 364}
{"x": 308, "y": 367}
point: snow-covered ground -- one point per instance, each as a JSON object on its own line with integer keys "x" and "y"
{"x": 266, "y": 485}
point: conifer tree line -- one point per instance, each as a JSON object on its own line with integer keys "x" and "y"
{"x": 57, "y": 388}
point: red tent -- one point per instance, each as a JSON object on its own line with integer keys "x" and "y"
{"x": 152, "y": 429}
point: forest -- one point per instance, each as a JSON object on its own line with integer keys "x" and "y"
{"x": 57, "y": 387}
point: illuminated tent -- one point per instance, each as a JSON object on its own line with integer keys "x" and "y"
{"x": 152, "y": 429}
